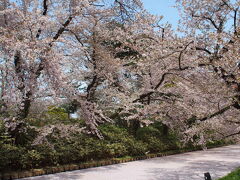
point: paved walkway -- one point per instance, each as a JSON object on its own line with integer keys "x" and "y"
{"x": 187, "y": 166}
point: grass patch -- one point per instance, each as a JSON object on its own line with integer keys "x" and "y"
{"x": 235, "y": 175}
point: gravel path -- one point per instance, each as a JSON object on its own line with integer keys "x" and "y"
{"x": 187, "y": 166}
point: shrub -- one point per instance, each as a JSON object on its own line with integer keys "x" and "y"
{"x": 117, "y": 143}
{"x": 115, "y": 134}
{"x": 57, "y": 114}
{"x": 116, "y": 150}
{"x": 53, "y": 115}
{"x": 135, "y": 147}
{"x": 48, "y": 155}
{"x": 9, "y": 156}
{"x": 9, "y": 153}
{"x": 31, "y": 159}
{"x": 157, "y": 139}
{"x": 146, "y": 132}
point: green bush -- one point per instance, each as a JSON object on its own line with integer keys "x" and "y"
{"x": 157, "y": 139}
{"x": 9, "y": 153}
{"x": 68, "y": 153}
{"x": 116, "y": 150}
{"x": 10, "y": 156}
{"x": 31, "y": 159}
{"x": 147, "y": 132}
{"x": 53, "y": 115}
{"x": 117, "y": 143}
{"x": 151, "y": 136}
{"x": 75, "y": 150}
{"x": 57, "y": 114}
{"x": 135, "y": 147}
{"x": 48, "y": 155}
{"x": 114, "y": 134}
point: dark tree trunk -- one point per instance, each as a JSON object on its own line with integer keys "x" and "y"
{"x": 26, "y": 103}
{"x": 165, "y": 129}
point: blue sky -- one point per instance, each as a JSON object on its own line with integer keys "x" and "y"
{"x": 163, "y": 7}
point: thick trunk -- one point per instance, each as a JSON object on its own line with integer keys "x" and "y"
{"x": 91, "y": 89}
{"x": 2, "y": 83}
{"x": 165, "y": 130}
{"x": 3, "y": 105}
{"x": 26, "y": 104}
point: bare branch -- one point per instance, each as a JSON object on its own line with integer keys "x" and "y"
{"x": 235, "y": 20}
{"x": 60, "y": 31}
{"x": 203, "y": 49}
{"x": 221, "y": 111}
{"x": 180, "y": 56}
{"x": 45, "y": 8}
{"x": 234, "y": 134}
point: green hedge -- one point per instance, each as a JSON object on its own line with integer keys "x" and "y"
{"x": 77, "y": 148}
{"x": 118, "y": 142}
{"x": 157, "y": 139}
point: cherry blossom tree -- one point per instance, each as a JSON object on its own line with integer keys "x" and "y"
{"x": 39, "y": 37}
{"x": 113, "y": 56}
{"x": 213, "y": 28}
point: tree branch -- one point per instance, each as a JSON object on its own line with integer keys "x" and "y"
{"x": 221, "y": 111}
{"x": 61, "y": 30}
{"x": 209, "y": 19}
{"x": 180, "y": 56}
{"x": 235, "y": 20}
{"x": 234, "y": 134}
{"x": 203, "y": 49}
{"x": 141, "y": 97}
{"x": 45, "y": 8}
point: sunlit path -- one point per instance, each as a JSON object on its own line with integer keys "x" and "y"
{"x": 187, "y": 166}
